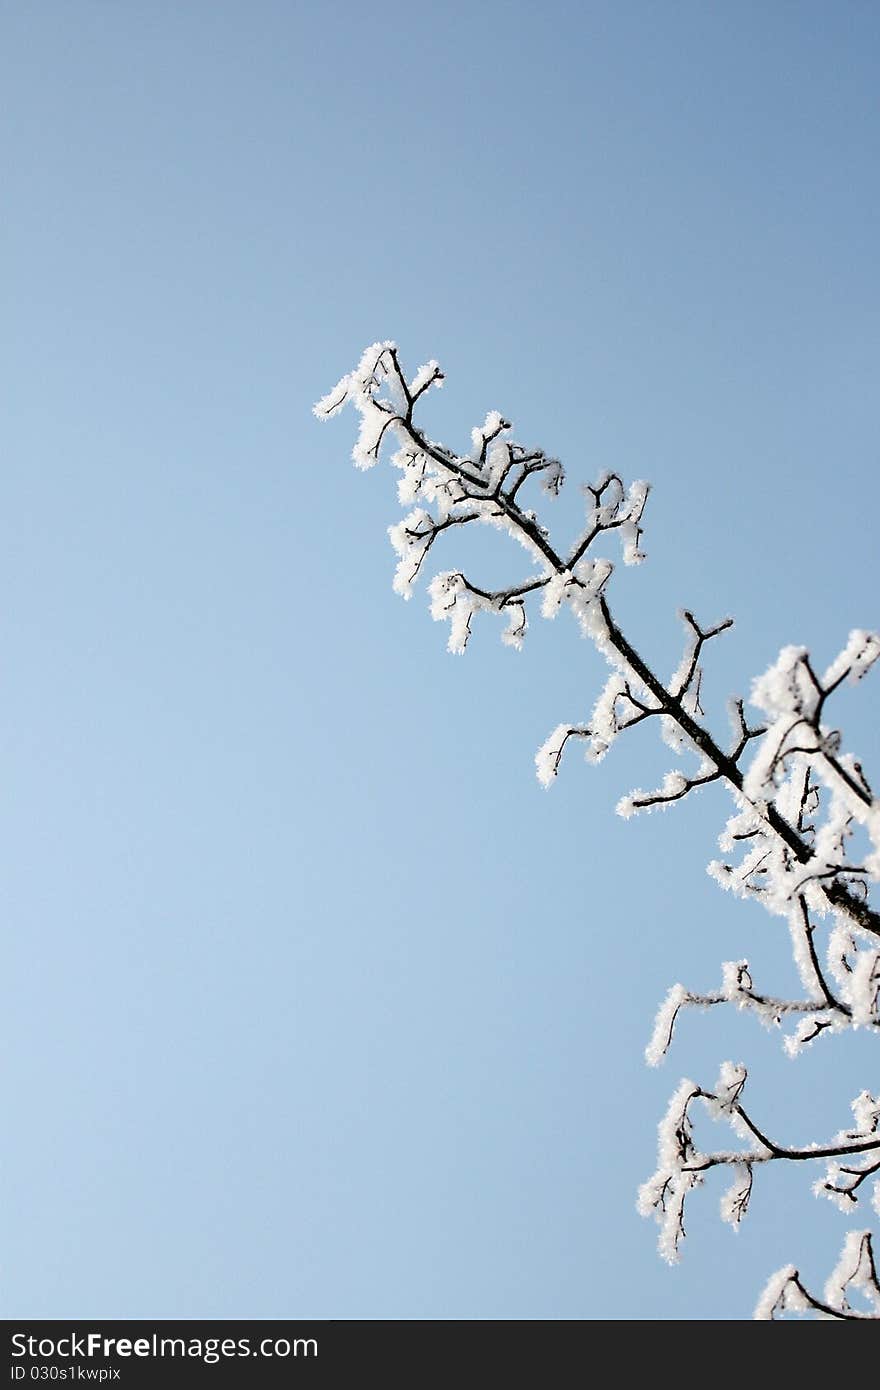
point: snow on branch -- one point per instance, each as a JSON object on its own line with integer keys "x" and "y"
{"x": 801, "y": 801}
{"x": 854, "y": 1273}
{"x": 841, "y": 995}
{"x": 682, "y": 1164}
{"x": 482, "y": 485}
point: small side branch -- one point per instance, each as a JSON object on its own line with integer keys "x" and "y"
{"x": 855, "y": 1273}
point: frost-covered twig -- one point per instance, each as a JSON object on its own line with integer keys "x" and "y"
{"x": 856, "y": 1271}
{"x": 681, "y": 1164}
{"x": 798, "y": 797}
{"x": 826, "y": 1011}
{"x": 484, "y": 486}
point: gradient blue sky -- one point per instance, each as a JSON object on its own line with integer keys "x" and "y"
{"x": 314, "y": 1004}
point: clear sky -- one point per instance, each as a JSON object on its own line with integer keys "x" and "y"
{"x": 313, "y": 1002}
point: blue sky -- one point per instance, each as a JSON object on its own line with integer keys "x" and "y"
{"x": 314, "y": 1003}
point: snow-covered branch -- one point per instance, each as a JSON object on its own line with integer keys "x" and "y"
{"x": 854, "y": 1273}
{"x": 851, "y": 1002}
{"x": 851, "y": 1157}
{"x": 800, "y": 800}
